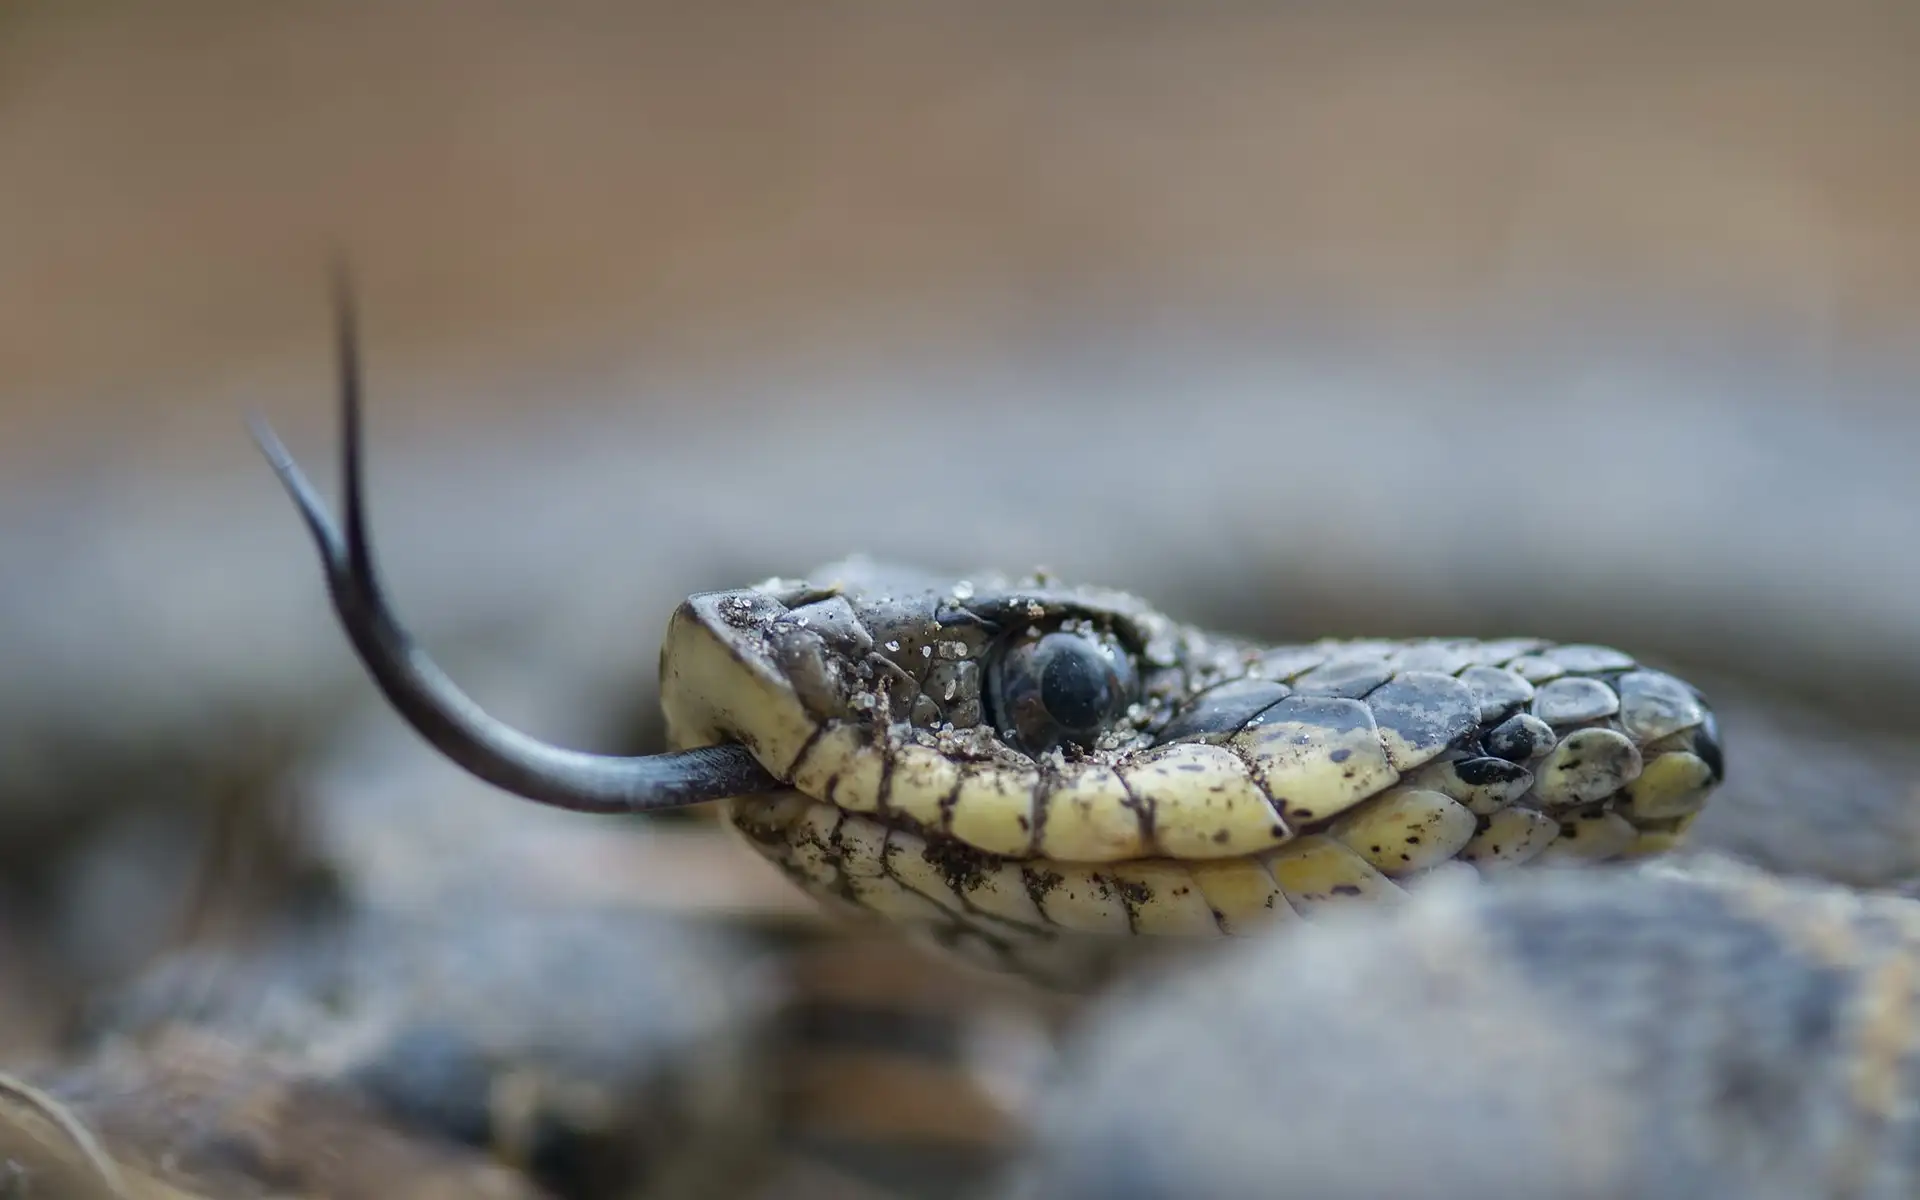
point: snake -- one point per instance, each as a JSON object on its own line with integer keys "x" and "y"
{"x": 790, "y": 710}
{"x": 1053, "y": 780}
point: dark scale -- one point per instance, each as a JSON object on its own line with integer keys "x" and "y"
{"x": 1484, "y": 772}
{"x": 1348, "y": 680}
{"x": 1520, "y": 738}
{"x": 1224, "y": 709}
{"x": 1426, "y": 710}
{"x": 1706, "y": 744}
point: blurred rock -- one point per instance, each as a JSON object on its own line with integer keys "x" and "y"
{"x": 1609, "y": 1033}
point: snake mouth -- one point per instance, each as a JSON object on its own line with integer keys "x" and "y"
{"x": 428, "y": 699}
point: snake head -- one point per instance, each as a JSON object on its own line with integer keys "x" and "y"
{"x": 1016, "y": 670}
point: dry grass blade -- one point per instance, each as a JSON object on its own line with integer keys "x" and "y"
{"x": 105, "y": 1182}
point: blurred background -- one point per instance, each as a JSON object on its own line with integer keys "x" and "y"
{"x": 695, "y": 190}
{"x": 1595, "y": 320}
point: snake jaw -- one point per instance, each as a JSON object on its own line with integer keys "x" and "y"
{"x": 720, "y": 683}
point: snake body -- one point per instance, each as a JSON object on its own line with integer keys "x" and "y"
{"x": 1212, "y": 787}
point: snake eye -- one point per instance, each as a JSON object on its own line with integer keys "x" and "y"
{"x": 1056, "y": 689}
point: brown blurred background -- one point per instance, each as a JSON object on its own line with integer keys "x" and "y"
{"x": 703, "y": 183}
